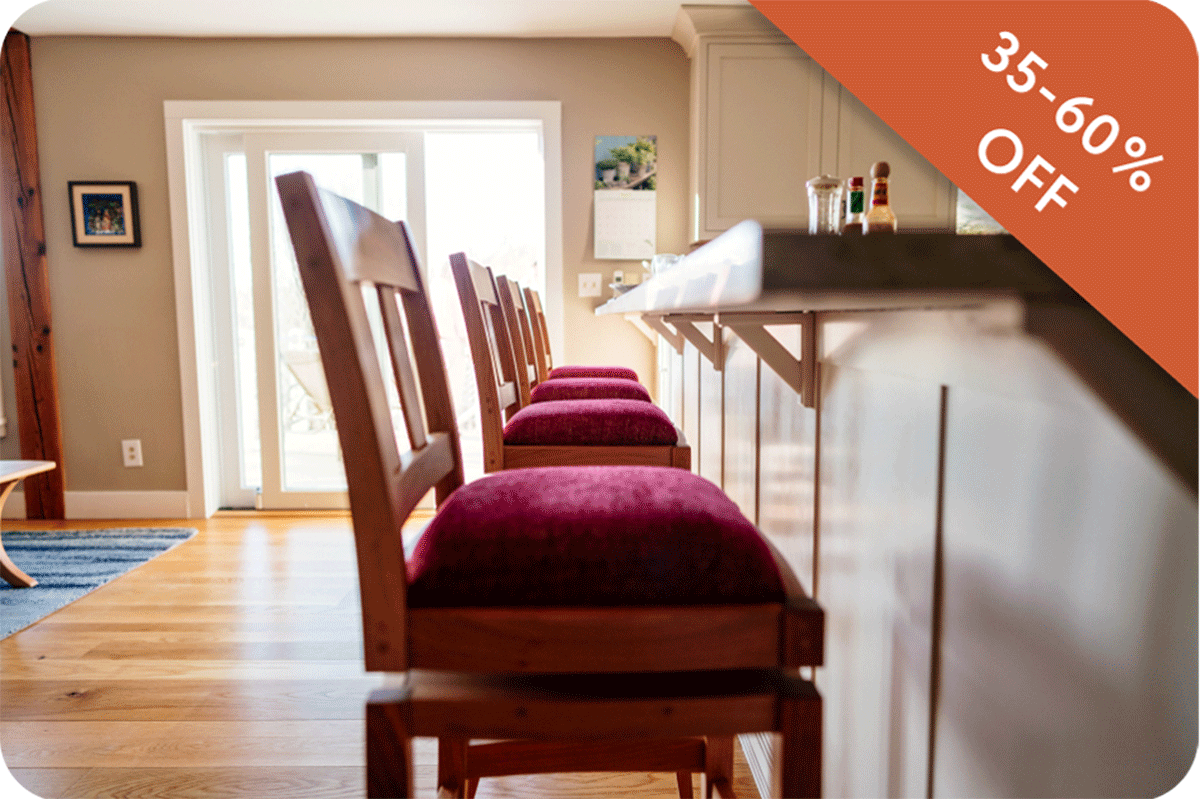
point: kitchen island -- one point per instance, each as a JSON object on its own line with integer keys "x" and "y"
{"x": 991, "y": 491}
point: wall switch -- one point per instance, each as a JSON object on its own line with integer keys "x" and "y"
{"x": 589, "y": 284}
{"x": 131, "y": 451}
{"x": 618, "y": 278}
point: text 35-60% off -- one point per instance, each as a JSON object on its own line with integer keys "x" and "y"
{"x": 1098, "y": 136}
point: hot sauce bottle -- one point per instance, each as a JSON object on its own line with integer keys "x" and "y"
{"x": 880, "y": 218}
{"x": 855, "y": 206}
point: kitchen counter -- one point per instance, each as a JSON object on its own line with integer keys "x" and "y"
{"x": 751, "y": 270}
{"x": 989, "y": 489}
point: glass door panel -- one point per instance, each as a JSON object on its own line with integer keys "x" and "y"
{"x": 301, "y": 460}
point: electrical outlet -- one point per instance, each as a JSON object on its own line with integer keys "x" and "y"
{"x": 589, "y": 284}
{"x": 131, "y": 451}
{"x": 618, "y": 278}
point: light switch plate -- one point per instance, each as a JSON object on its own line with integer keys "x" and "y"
{"x": 589, "y": 284}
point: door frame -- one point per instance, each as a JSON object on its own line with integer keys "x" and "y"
{"x": 186, "y": 122}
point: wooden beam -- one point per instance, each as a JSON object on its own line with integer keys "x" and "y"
{"x": 34, "y": 375}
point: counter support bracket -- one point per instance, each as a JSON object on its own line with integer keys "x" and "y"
{"x": 712, "y": 349}
{"x": 638, "y": 321}
{"x": 799, "y": 373}
{"x": 655, "y": 322}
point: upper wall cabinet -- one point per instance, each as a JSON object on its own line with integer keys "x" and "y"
{"x": 765, "y": 118}
{"x": 922, "y": 197}
{"x": 760, "y": 103}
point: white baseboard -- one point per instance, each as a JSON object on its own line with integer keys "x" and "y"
{"x": 111, "y": 505}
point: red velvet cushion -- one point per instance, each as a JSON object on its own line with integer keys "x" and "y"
{"x": 591, "y": 422}
{"x": 592, "y": 371}
{"x": 577, "y": 388}
{"x": 591, "y": 535}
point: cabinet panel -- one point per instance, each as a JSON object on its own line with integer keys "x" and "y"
{"x": 670, "y": 382}
{"x": 787, "y": 440}
{"x": 1069, "y": 622}
{"x": 691, "y": 402}
{"x": 920, "y": 196}
{"x": 741, "y": 427}
{"x": 712, "y": 401}
{"x": 760, "y": 134}
{"x": 878, "y": 502}
{"x": 766, "y": 118}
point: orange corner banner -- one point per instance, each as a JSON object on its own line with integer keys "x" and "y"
{"x": 1074, "y": 124}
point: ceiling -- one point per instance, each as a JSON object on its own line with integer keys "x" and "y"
{"x": 521, "y": 18}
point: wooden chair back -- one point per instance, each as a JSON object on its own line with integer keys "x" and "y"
{"x": 538, "y": 320}
{"x": 513, "y": 302}
{"x": 536, "y": 324}
{"x": 524, "y": 372}
{"x": 492, "y": 353}
{"x": 496, "y": 356}
{"x": 347, "y": 254}
{"x": 521, "y": 313}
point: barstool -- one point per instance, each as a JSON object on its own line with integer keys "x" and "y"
{"x": 577, "y": 613}
{"x": 521, "y": 434}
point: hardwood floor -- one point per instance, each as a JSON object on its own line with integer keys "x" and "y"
{"x": 228, "y": 667}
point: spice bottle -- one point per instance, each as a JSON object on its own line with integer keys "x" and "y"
{"x": 855, "y": 206}
{"x": 824, "y": 205}
{"x": 880, "y": 218}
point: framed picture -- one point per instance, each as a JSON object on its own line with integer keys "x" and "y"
{"x": 104, "y": 213}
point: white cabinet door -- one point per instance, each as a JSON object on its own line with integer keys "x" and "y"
{"x": 921, "y": 197}
{"x": 759, "y": 134}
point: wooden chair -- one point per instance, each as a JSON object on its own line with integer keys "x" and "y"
{"x": 580, "y": 615}
{"x": 538, "y": 321}
{"x": 530, "y": 387}
{"x": 518, "y": 434}
{"x": 537, "y": 332}
{"x": 517, "y": 320}
{"x": 546, "y": 368}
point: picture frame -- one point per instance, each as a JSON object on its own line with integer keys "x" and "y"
{"x": 104, "y": 213}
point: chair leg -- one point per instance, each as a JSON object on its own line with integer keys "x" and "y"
{"x": 684, "y": 778}
{"x": 389, "y": 746}
{"x": 800, "y": 726}
{"x": 718, "y": 766}
{"x": 452, "y": 766}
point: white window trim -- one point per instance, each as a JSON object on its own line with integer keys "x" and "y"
{"x": 186, "y": 120}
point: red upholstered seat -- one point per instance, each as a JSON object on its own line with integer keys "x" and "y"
{"x": 581, "y": 388}
{"x": 591, "y": 536}
{"x": 593, "y": 371}
{"x": 591, "y": 422}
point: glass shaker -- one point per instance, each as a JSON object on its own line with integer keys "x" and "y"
{"x": 824, "y": 206}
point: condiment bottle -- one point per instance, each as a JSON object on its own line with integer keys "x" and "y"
{"x": 855, "y": 206}
{"x": 880, "y": 218}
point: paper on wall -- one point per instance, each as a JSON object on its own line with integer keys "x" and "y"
{"x": 625, "y": 226}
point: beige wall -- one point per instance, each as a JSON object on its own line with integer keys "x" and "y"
{"x": 100, "y": 117}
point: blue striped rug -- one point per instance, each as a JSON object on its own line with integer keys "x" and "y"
{"x": 70, "y": 563}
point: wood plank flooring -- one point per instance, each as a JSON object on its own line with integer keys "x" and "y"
{"x": 229, "y": 667}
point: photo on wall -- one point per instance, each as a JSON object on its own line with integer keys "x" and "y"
{"x": 104, "y": 214}
{"x": 626, "y": 162}
{"x": 626, "y": 210}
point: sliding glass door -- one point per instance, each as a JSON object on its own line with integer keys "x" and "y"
{"x": 471, "y": 186}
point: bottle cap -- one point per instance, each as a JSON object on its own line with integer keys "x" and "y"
{"x": 856, "y": 183}
{"x": 824, "y": 183}
{"x": 880, "y": 169}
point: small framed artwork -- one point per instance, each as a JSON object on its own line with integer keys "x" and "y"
{"x": 104, "y": 213}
